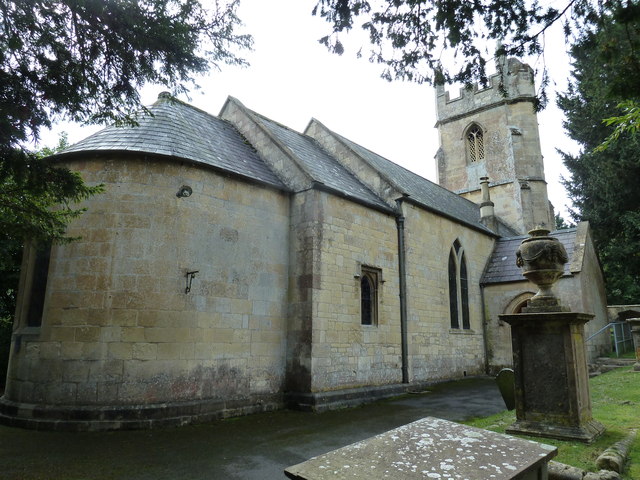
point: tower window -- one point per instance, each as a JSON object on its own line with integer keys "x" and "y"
{"x": 475, "y": 144}
{"x": 458, "y": 288}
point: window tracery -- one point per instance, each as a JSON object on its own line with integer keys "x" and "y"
{"x": 475, "y": 144}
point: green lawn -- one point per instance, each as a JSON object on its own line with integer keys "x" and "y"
{"x": 615, "y": 398}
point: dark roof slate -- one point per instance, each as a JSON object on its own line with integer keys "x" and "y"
{"x": 502, "y": 266}
{"x": 177, "y": 129}
{"x": 421, "y": 190}
{"x": 320, "y": 165}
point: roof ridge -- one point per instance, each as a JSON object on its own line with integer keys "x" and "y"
{"x": 313, "y": 176}
{"x": 405, "y": 169}
{"x": 164, "y": 97}
{"x": 259, "y": 119}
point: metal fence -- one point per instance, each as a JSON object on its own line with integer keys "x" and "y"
{"x": 621, "y": 339}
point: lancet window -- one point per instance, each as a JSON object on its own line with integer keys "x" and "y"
{"x": 369, "y": 281}
{"x": 458, "y": 288}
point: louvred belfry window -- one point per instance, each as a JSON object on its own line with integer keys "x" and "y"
{"x": 475, "y": 144}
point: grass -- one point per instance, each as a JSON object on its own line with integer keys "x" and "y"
{"x": 631, "y": 354}
{"x": 615, "y": 401}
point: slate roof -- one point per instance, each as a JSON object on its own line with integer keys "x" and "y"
{"x": 320, "y": 165}
{"x": 180, "y": 130}
{"x": 502, "y": 266}
{"x": 420, "y": 190}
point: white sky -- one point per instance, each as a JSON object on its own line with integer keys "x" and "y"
{"x": 293, "y": 78}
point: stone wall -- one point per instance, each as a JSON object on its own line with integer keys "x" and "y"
{"x": 118, "y": 327}
{"x": 347, "y": 354}
{"x": 594, "y": 296}
{"x": 500, "y": 299}
{"x": 435, "y": 350}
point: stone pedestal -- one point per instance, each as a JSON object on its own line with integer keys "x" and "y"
{"x": 551, "y": 376}
{"x": 635, "y": 332}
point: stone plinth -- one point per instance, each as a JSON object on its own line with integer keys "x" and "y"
{"x": 635, "y": 332}
{"x": 551, "y": 377}
{"x": 431, "y": 448}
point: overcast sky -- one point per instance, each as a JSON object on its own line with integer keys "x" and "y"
{"x": 292, "y": 78}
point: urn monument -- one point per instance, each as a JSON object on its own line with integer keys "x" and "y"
{"x": 549, "y": 360}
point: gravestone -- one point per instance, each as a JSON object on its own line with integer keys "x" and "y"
{"x": 431, "y": 448}
{"x": 506, "y": 384}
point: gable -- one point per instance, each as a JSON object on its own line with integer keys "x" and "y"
{"x": 416, "y": 189}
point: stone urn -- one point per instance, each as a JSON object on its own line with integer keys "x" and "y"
{"x": 542, "y": 259}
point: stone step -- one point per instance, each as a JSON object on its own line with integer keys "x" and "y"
{"x": 620, "y": 362}
{"x": 606, "y": 364}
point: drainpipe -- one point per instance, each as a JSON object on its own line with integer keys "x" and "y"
{"x": 403, "y": 293}
{"x": 485, "y": 330}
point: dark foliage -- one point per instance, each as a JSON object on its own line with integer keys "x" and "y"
{"x": 603, "y": 183}
{"x": 84, "y": 60}
{"x": 410, "y": 36}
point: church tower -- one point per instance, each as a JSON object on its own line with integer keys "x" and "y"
{"x": 485, "y": 133}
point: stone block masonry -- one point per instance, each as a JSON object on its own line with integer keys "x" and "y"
{"x": 118, "y": 329}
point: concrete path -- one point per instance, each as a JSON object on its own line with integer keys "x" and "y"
{"x": 258, "y": 447}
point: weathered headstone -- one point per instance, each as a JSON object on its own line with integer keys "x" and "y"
{"x": 431, "y": 448}
{"x": 506, "y": 384}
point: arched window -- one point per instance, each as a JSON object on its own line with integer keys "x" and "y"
{"x": 453, "y": 290}
{"x": 458, "y": 288}
{"x": 369, "y": 279}
{"x": 475, "y": 144}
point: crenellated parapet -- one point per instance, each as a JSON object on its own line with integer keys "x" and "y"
{"x": 514, "y": 82}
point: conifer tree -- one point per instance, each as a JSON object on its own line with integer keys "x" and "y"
{"x": 603, "y": 182}
{"x": 85, "y": 60}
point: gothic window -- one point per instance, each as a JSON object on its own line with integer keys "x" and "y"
{"x": 458, "y": 288}
{"x": 475, "y": 144}
{"x": 453, "y": 291}
{"x": 369, "y": 281}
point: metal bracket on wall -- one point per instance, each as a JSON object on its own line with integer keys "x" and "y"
{"x": 189, "y": 276}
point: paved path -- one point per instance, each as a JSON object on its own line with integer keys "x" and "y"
{"x": 258, "y": 447}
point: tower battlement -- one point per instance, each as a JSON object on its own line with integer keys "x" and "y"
{"x": 514, "y": 82}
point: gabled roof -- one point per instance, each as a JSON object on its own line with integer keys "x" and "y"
{"x": 179, "y": 130}
{"x": 502, "y": 266}
{"x": 420, "y": 190}
{"x": 320, "y": 165}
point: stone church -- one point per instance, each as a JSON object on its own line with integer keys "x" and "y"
{"x": 234, "y": 265}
